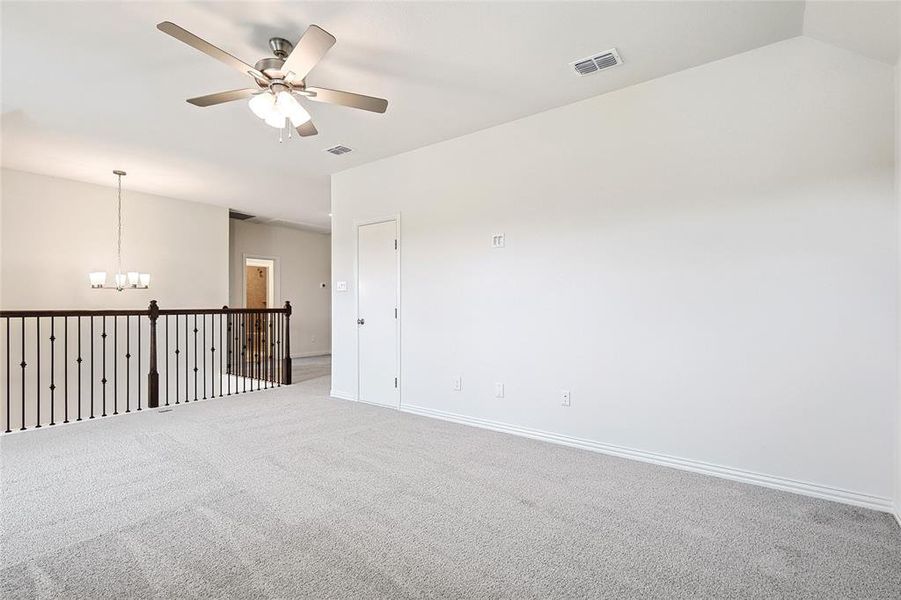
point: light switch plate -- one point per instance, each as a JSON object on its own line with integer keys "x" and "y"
{"x": 497, "y": 240}
{"x": 565, "y": 398}
{"x": 341, "y": 286}
{"x": 498, "y": 390}
{"x": 458, "y": 384}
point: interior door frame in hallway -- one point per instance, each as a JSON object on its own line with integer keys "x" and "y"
{"x": 358, "y": 224}
{"x": 269, "y": 262}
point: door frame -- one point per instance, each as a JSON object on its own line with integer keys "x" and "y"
{"x": 397, "y": 326}
{"x": 275, "y": 287}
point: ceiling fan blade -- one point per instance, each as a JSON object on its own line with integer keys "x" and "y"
{"x": 308, "y": 51}
{"x": 223, "y": 97}
{"x": 183, "y": 35}
{"x": 306, "y": 129}
{"x": 378, "y": 105}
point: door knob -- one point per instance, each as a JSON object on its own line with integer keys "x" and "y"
{"x": 361, "y": 321}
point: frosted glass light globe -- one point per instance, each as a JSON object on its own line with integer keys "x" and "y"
{"x": 262, "y": 105}
{"x": 286, "y": 104}
{"x": 276, "y": 119}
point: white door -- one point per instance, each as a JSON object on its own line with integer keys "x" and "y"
{"x": 377, "y": 312}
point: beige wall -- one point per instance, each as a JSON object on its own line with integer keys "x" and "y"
{"x": 54, "y": 231}
{"x": 304, "y": 264}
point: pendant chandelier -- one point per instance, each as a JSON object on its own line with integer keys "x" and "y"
{"x": 130, "y": 280}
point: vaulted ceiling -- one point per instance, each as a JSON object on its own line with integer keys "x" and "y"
{"x": 92, "y": 86}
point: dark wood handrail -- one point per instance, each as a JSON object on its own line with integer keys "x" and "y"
{"x": 143, "y": 313}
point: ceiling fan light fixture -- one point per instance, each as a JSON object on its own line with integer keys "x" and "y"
{"x": 262, "y": 105}
{"x": 286, "y": 104}
{"x": 276, "y": 119}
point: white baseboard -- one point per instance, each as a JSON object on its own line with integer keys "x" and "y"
{"x": 311, "y": 354}
{"x": 780, "y": 483}
{"x": 343, "y": 395}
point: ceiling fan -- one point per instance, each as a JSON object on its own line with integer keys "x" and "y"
{"x": 279, "y": 79}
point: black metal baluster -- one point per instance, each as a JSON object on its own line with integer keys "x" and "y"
{"x": 203, "y": 322}
{"x": 177, "y": 353}
{"x": 256, "y": 349}
{"x": 79, "y": 361}
{"x": 103, "y": 370}
{"x": 23, "y": 364}
{"x": 231, "y": 346}
{"x": 187, "y": 361}
{"x": 264, "y": 343}
{"x": 269, "y": 364}
{"x": 92, "y": 367}
{"x": 278, "y": 348}
{"x": 128, "y": 362}
{"x": 221, "y": 352}
{"x": 52, "y": 367}
{"x": 38, "y": 377}
{"x": 115, "y": 365}
{"x": 166, "y": 354}
{"x": 8, "y": 379}
{"x": 65, "y": 369}
{"x": 213, "y": 355}
{"x": 195, "y": 357}
{"x": 244, "y": 352}
{"x": 139, "y": 363}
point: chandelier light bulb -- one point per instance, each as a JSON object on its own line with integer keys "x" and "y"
{"x": 262, "y": 105}
{"x": 133, "y": 278}
{"x": 145, "y": 279}
{"x": 98, "y": 279}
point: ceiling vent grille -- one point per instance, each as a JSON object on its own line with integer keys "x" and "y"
{"x": 598, "y": 62}
{"x": 339, "y": 150}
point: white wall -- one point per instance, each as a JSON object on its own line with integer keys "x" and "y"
{"x": 707, "y": 261}
{"x": 54, "y": 231}
{"x": 304, "y": 263}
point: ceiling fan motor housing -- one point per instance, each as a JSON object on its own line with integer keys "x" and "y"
{"x": 272, "y": 67}
{"x": 280, "y": 47}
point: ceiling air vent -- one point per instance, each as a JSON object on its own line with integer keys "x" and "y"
{"x": 593, "y": 64}
{"x": 339, "y": 150}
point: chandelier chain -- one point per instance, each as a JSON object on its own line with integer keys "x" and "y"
{"x": 119, "y": 238}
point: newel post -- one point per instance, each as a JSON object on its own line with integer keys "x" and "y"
{"x": 286, "y": 360}
{"x": 153, "y": 377}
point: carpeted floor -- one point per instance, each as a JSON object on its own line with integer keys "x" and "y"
{"x": 289, "y": 494}
{"x": 311, "y": 367}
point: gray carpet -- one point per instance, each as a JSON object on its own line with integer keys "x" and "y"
{"x": 311, "y": 367}
{"x": 289, "y": 494}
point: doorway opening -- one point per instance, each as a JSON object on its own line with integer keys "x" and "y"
{"x": 259, "y": 282}
{"x": 259, "y": 293}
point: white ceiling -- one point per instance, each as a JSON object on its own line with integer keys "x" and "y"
{"x": 92, "y": 86}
